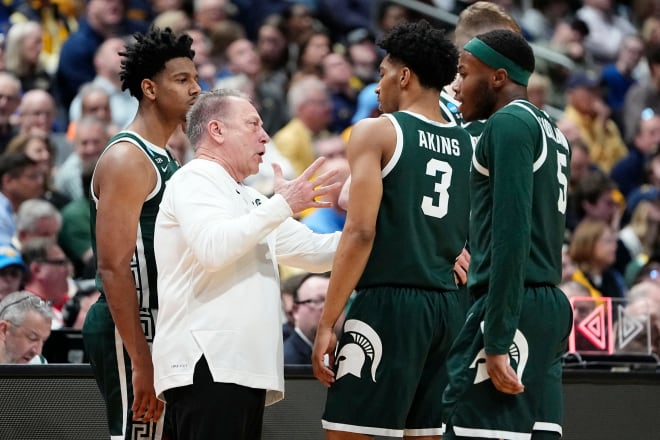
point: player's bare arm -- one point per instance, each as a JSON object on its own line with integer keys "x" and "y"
{"x": 368, "y": 150}
{"x": 123, "y": 179}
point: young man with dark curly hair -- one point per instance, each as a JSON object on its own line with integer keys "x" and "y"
{"x": 407, "y": 222}
{"x": 127, "y": 188}
{"x": 505, "y": 366}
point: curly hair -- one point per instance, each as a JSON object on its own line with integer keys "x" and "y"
{"x": 424, "y": 50}
{"x": 512, "y": 45}
{"x": 147, "y": 56}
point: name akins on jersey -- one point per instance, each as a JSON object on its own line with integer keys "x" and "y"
{"x": 439, "y": 144}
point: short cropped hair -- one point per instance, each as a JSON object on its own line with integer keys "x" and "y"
{"x": 209, "y": 105}
{"x": 148, "y": 54}
{"x": 424, "y": 50}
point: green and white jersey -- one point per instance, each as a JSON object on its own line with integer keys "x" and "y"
{"x": 518, "y": 185}
{"x": 143, "y": 264}
{"x": 449, "y": 109}
{"x": 423, "y": 216}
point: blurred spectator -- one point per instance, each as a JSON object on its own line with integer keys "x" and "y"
{"x": 23, "y": 49}
{"x": 58, "y": 19}
{"x": 205, "y": 68}
{"x": 75, "y": 237}
{"x": 206, "y": 13}
{"x": 645, "y": 94}
{"x": 311, "y": 108}
{"x": 343, "y": 16}
{"x": 37, "y": 218}
{"x": 48, "y": 274}
{"x": 12, "y": 270}
{"x": 589, "y": 112}
{"x": 20, "y": 180}
{"x": 102, "y": 19}
{"x": 175, "y": 19}
{"x": 540, "y": 20}
{"x": 363, "y": 55}
{"x": 337, "y": 72}
{"x": 36, "y": 115}
{"x": 273, "y": 50}
{"x": 25, "y": 322}
{"x": 607, "y": 29}
{"x": 539, "y": 89}
{"x": 90, "y": 139}
{"x": 629, "y": 172}
{"x": 39, "y": 148}
{"x": 311, "y": 52}
{"x": 644, "y": 307}
{"x": 288, "y": 286}
{"x": 581, "y": 163}
{"x": 75, "y": 310}
{"x": 593, "y": 249}
{"x": 107, "y": 64}
{"x": 95, "y": 102}
{"x": 10, "y": 98}
{"x": 388, "y": 15}
{"x": 308, "y": 300}
{"x": 618, "y": 77}
{"x": 641, "y": 236}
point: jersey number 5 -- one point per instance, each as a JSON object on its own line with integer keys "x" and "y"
{"x": 433, "y": 167}
{"x": 563, "y": 182}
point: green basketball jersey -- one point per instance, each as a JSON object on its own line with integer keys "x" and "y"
{"x": 423, "y": 216}
{"x": 518, "y": 186}
{"x": 143, "y": 264}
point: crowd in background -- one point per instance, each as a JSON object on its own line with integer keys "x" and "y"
{"x": 310, "y": 67}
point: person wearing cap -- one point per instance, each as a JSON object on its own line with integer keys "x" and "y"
{"x": 508, "y": 353}
{"x": 24, "y": 327}
{"x": 587, "y": 109}
{"x": 12, "y": 270}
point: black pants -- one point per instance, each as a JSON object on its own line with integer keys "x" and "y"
{"x": 208, "y": 410}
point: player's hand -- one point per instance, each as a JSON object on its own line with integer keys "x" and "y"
{"x": 502, "y": 375}
{"x": 461, "y": 266}
{"x": 146, "y": 406}
{"x": 324, "y": 344}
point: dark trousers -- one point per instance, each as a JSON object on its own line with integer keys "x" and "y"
{"x": 208, "y": 410}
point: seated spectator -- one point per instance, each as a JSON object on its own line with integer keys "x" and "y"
{"x": 593, "y": 249}
{"x": 337, "y": 73}
{"x": 37, "y": 218}
{"x": 75, "y": 237}
{"x": 48, "y": 274}
{"x": 10, "y": 90}
{"x": 75, "y": 310}
{"x": 618, "y": 77}
{"x": 288, "y": 286}
{"x": 644, "y": 94}
{"x": 25, "y": 322}
{"x": 311, "y": 108}
{"x": 12, "y": 270}
{"x": 95, "y": 102}
{"x": 23, "y": 56}
{"x": 90, "y": 139}
{"x": 629, "y": 172}
{"x": 20, "y": 179}
{"x": 308, "y": 300}
{"x": 592, "y": 116}
{"x": 644, "y": 306}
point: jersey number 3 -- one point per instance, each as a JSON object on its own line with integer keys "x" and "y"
{"x": 433, "y": 167}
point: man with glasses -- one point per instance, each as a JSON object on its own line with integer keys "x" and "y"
{"x": 12, "y": 270}
{"x": 25, "y": 322}
{"x": 48, "y": 274}
{"x": 308, "y": 300}
{"x": 10, "y": 98}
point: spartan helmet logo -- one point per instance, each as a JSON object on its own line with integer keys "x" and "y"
{"x": 518, "y": 354}
{"x": 366, "y": 343}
